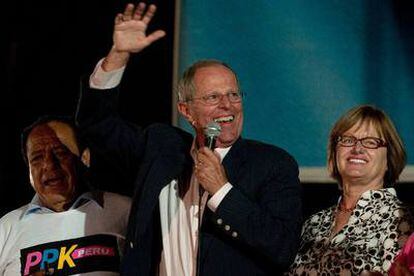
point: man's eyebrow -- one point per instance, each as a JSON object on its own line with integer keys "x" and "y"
{"x": 60, "y": 146}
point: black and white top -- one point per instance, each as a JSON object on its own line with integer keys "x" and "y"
{"x": 378, "y": 227}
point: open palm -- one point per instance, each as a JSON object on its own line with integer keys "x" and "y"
{"x": 131, "y": 26}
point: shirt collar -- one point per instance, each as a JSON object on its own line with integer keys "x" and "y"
{"x": 221, "y": 151}
{"x": 375, "y": 194}
{"x": 35, "y": 206}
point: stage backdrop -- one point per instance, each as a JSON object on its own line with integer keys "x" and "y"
{"x": 302, "y": 64}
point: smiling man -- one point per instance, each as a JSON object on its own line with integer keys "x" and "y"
{"x": 67, "y": 228}
{"x": 232, "y": 211}
{"x": 52, "y": 158}
{"x": 218, "y": 99}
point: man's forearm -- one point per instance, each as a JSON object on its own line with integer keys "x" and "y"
{"x": 101, "y": 79}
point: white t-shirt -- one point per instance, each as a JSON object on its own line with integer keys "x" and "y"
{"x": 84, "y": 240}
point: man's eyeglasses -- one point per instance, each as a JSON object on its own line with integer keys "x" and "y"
{"x": 215, "y": 98}
{"x": 366, "y": 142}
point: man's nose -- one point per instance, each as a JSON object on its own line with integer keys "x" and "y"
{"x": 50, "y": 161}
{"x": 225, "y": 101}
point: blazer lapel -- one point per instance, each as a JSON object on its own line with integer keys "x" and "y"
{"x": 234, "y": 160}
{"x": 161, "y": 172}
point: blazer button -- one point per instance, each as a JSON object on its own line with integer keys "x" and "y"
{"x": 227, "y": 227}
{"x": 234, "y": 234}
{"x": 219, "y": 221}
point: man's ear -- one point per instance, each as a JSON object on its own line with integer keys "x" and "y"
{"x": 184, "y": 110}
{"x": 86, "y": 157}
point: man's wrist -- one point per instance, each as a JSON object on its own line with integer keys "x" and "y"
{"x": 115, "y": 60}
{"x": 218, "y": 197}
{"x": 101, "y": 79}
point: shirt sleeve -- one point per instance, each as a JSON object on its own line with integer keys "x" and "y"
{"x": 216, "y": 199}
{"x": 101, "y": 79}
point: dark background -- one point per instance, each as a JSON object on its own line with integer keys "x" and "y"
{"x": 51, "y": 45}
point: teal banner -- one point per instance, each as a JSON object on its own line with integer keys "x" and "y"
{"x": 302, "y": 64}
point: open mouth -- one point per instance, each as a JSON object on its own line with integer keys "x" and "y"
{"x": 53, "y": 181}
{"x": 226, "y": 119}
{"x": 357, "y": 161}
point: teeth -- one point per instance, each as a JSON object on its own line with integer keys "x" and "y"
{"x": 224, "y": 119}
{"x": 360, "y": 161}
{"x": 52, "y": 182}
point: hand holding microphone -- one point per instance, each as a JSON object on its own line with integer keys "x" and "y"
{"x": 209, "y": 170}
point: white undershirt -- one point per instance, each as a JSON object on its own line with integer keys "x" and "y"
{"x": 180, "y": 224}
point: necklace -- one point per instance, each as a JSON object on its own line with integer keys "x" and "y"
{"x": 343, "y": 209}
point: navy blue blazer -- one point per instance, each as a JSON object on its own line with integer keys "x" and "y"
{"x": 254, "y": 231}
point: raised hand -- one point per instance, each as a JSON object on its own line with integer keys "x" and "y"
{"x": 130, "y": 35}
{"x": 131, "y": 26}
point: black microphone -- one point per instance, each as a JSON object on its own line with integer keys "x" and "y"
{"x": 211, "y": 132}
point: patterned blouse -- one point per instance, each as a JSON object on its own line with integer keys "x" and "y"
{"x": 378, "y": 227}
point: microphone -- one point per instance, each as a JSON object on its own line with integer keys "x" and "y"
{"x": 211, "y": 131}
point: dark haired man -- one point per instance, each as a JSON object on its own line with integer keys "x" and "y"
{"x": 67, "y": 228}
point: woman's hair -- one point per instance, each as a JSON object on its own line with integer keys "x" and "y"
{"x": 396, "y": 155}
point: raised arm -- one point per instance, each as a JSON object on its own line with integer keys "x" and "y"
{"x": 112, "y": 140}
{"x": 130, "y": 35}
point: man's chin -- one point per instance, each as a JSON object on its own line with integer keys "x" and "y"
{"x": 225, "y": 143}
{"x": 58, "y": 194}
{"x": 56, "y": 191}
